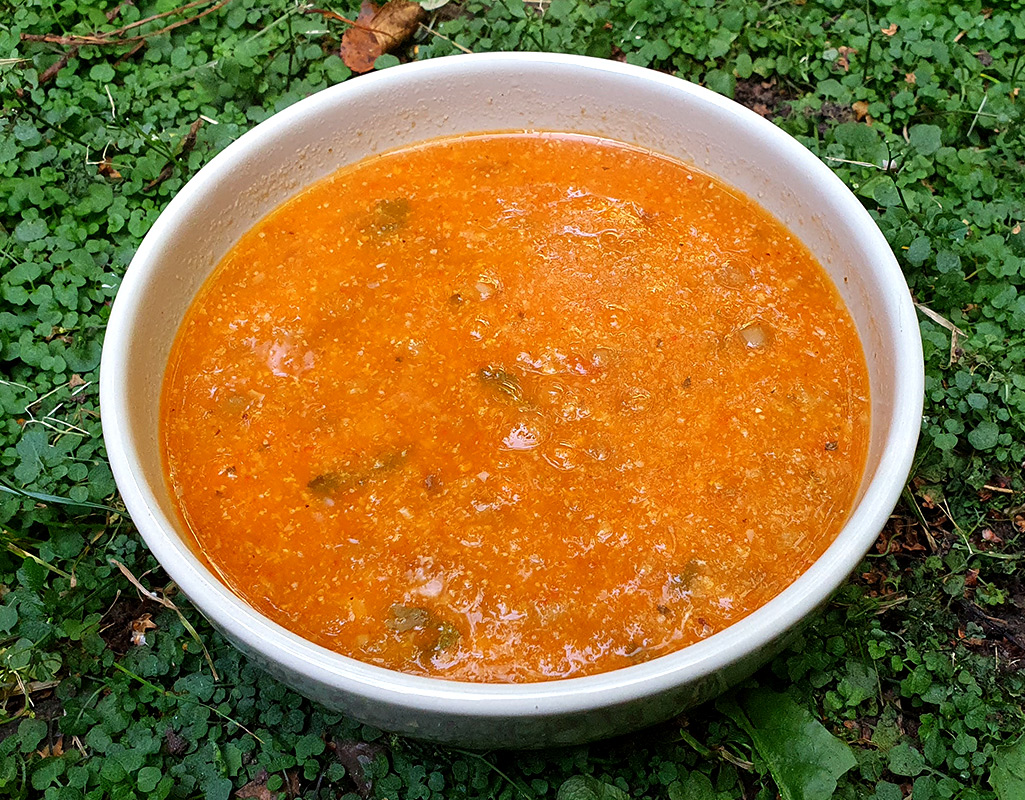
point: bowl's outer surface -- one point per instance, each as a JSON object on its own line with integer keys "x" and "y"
{"x": 498, "y": 92}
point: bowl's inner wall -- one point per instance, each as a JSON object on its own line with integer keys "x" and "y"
{"x": 228, "y": 198}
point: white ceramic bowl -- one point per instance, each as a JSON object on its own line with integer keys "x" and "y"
{"x": 496, "y": 92}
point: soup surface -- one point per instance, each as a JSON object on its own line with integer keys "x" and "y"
{"x": 514, "y": 408}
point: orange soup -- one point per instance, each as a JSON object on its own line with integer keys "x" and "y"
{"x": 515, "y": 407}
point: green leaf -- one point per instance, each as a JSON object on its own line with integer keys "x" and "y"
{"x": 906, "y": 761}
{"x": 946, "y": 261}
{"x": 803, "y": 757}
{"x": 984, "y": 436}
{"x": 925, "y": 139}
{"x": 860, "y": 683}
{"x": 1007, "y": 776}
{"x": 744, "y": 66}
{"x": 696, "y": 787}
{"x": 148, "y": 778}
{"x": 584, "y": 787}
{"x": 309, "y": 745}
{"x": 8, "y": 618}
{"x": 30, "y": 733}
{"x": 83, "y": 355}
{"x": 385, "y": 61}
{"x": 888, "y": 791}
{"x": 858, "y": 139}
{"x": 103, "y": 73}
{"x": 30, "y": 230}
{"x": 720, "y": 82}
{"x": 216, "y": 788}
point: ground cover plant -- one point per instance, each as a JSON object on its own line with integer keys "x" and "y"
{"x": 909, "y": 684}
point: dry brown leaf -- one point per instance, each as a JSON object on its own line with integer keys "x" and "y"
{"x": 56, "y": 751}
{"x": 76, "y": 381}
{"x": 910, "y": 78}
{"x": 860, "y": 109}
{"x": 108, "y": 170}
{"x": 256, "y": 789}
{"x": 891, "y": 30}
{"x": 139, "y": 628}
{"x": 842, "y": 61}
{"x": 379, "y": 30}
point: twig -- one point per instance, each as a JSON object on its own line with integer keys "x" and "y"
{"x": 188, "y": 142}
{"x": 169, "y": 605}
{"x": 170, "y": 13}
{"x": 113, "y": 37}
{"x": 332, "y": 15}
{"x": 356, "y": 23}
{"x": 51, "y": 71}
{"x": 121, "y": 59}
{"x": 113, "y": 13}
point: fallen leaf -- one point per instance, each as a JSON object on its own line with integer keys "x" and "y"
{"x": 139, "y": 628}
{"x": 860, "y": 108}
{"x": 176, "y": 744}
{"x": 357, "y": 757}
{"x": 108, "y": 171}
{"x": 990, "y": 536}
{"x": 910, "y": 78}
{"x": 842, "y": 60}
{"x": 379, "y": 30}
{"x": 75, "y": 381}
{"x": 56, "y": 751}
{"x": 256, "y": 789}
{"x": 891, "y": 30}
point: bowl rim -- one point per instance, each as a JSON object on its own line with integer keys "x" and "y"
{"x": 557, "y": 696}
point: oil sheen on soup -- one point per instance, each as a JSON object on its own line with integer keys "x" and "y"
{"x": 513, "y": 408}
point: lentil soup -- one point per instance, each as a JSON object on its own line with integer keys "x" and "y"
{"x": 514, "y": 407}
